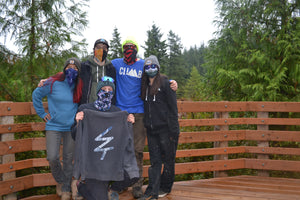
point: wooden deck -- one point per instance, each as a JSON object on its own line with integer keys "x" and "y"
{"x": 233, "y": 188}
{"x": 218, "y": 129}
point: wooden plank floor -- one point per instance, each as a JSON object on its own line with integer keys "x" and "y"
{"x": 233, "y": 188}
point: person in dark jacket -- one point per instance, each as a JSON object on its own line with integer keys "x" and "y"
{"x": 94, "y": 189}
{"x": 94, "y": 68}
{"x": 161, "y": 122}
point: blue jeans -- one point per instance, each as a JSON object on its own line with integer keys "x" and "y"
{"x": 61, "y": 174}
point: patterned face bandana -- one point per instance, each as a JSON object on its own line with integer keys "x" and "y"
{"x": 130, "y": 56}
{"x": 71, "y": 75}
{"x": 100, "y": 54}
{"x": 151, "y": 72}
{"x": 103, "y": 103}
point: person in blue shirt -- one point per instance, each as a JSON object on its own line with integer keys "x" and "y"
{"x": 129, "y": 71}
{"x": 63, "y": 92}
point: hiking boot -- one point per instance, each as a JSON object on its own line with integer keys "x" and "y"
{"x": 66, "y": 196}
{"x": 58, "y": 189}
{"x": 137, "y": 192}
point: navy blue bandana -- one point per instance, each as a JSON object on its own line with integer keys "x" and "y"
{"x": 103, "y": 103}
{"x": 71, "y": 75}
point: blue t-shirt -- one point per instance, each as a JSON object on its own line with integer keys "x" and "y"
{"x": 128, "y": 79}
{"x": 61, "y": 107}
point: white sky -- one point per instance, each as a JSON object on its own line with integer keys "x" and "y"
{"x": 191, "y": 20}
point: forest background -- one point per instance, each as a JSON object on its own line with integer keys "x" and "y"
{"x": 254, "y": 56}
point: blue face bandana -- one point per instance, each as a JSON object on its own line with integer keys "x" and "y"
{"x": 71, "y": 75}
{"x": 103, "y": 103}
{"x": 151, "y": 72}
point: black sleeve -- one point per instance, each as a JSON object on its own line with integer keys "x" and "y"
{"x": 74, "y": 126}
{"x": 172, "y": 108}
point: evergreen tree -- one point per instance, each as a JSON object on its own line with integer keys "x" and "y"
{"x": 195, "y": 57}
{"x": 256, "y": 56}
{"x": 176, "y": 69}
{"x": 156, "y": 46}
{"x": 115, "y": 48}
{"x": 42, "y": 30}
{"x": 195, "y": 88}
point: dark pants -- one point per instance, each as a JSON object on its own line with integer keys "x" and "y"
{"x": 162, "y": 149}
{"x": 92, "y": 189}
{"x": 139, "y": 138}
{"x": 119, "y": 186}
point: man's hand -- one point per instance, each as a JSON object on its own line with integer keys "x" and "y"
{"x": 47, "y": 117}
{"x": 173, "y": 85}
{"x": 131, "y": 118}
{"x": 79, "y": 116}
{"x": 41, "y": 83}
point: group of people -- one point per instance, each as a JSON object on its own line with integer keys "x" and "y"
{"x": 127, "y": 99}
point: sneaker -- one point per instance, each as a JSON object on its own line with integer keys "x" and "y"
{"x": 147, "y": 197}
{"x": 137, "y": 192}
{"x": 114, "y": 195}
{"x": 58, "y": 189}
{"x": 66, "y": 196}
{"x": 161, "y": 193}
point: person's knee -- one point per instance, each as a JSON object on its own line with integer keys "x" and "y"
{"x": 53, "y": 159}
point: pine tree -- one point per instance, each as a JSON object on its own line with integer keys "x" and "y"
{"x": 256, "y": 54}
{"x": 195, "y": 57}
{"x": 175, "y": 68}
{"x": 115, "y": 48}
{"x": 43, "y": 31}
{"x": 156, "y": 46}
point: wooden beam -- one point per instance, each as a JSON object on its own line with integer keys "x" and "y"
{"x": 280, "y": 165}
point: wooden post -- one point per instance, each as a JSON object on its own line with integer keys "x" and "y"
{"x": 262, "y": 143}
{"x": 221, "y": 143}
{"x": 8, "y": 158}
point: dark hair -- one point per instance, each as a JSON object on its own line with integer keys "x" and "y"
{"x": 60, "y": 76}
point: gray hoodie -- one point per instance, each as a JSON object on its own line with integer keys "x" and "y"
{"x": 104, "y": 147}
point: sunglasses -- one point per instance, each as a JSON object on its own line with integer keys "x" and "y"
{"x": 107, "y": 78}
{"x": 128, "y": 46}
{"x": 150, "y": 66}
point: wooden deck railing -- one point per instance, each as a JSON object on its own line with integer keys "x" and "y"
{"x": 258, "y": 124}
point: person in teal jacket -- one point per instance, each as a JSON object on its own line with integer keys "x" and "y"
{"x": 63, "y": 92}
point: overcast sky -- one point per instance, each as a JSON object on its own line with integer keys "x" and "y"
{"x": 191, "y": 20}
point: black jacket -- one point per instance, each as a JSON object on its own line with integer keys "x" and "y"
{"x": 160, "y": 110}
{"x": 86, "y": 76}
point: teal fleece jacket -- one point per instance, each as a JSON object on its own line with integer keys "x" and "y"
{"x": 60, "y": 104}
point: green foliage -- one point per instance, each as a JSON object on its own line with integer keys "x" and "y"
{"x": 156, "y": 46}
{"x": 115, "y": 46}
{"x": 195, "y": 88}
{"x": 43, "y": 30}
{"x": 256, "y": 56}
{"x": 175, "y": 68}
{"x": 195, "y": 57}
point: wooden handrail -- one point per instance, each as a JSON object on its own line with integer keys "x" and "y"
{"x": 221, "y": 134}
